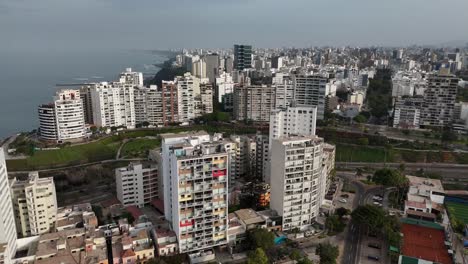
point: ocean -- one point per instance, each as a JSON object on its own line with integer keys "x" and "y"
{"x": 29, "y": 78}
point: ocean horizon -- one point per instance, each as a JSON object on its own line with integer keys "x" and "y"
{"x": 28, "y": 79}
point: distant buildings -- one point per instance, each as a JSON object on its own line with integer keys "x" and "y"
{"x": 132, "y": 78}
{"x": 7, "y": 217}
{"x": 137, "y": 184}
{"x": 63, "y": 119}
{"x": 157, "y": 107}
{"x": 242, "y": 57}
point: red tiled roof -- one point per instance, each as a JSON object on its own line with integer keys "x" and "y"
{"x": 128, "y": 253}
{"x": 135, "y": 211}
{"x": 158, "y": 204}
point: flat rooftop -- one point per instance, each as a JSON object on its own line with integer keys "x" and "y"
{"x": 425, "y": 183}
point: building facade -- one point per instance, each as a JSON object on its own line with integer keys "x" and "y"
{"x": 439, "y": 100}
{"x": 63, "y": 120}
{"x": 7, "y": 217}
{"x": 297, "y": 180}
{"x": 130, "y": 77}
{"x": 113, "y": 105}
{"x": 35, "y": 205}
{"x": 254, "y": 103}
{"x": 242, "y": 57}
{"x": 293, "y": 120}
{"x": 310, "y": 90}
{"x": 137, "y": 184}
{"x": 407, "y": 113}
{"x": 195, "y": 174}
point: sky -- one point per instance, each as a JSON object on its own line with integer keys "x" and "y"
{"x": 61, "y": 25}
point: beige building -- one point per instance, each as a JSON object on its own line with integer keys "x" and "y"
{"x": 254, "y": 102}
{"x": 34, "y": 204}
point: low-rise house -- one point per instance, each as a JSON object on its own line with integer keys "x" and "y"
{"x": 166, "y": 242}
{"x": 424, "y": 195}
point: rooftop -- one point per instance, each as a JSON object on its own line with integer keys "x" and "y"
{"x": 249, "y": 216}
{"x": 425, "y": 183}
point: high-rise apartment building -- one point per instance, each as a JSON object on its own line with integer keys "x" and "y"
{"x": 242, "y": 57}
{"x": 224, "y": 88}
{"x": 212, "y": 66}
{"x": 137, "y": 184}
{"x": 188, "y": 87}
{"x": 85, "y": 95}
{"x": 63, "y": 120}
{"x": 297, "y": 180}
{"x": 7, "y": 217}
{"x": 254, "y": 102}
{"x": 204, "y": 101}
{"x": 293, "y": 120}
{"x": 439, "y": 100}
{"x": 156, "y": 106}
{"x": 310, "y": 90}
{"x": 262, "y": 156}
{"x": 35, "y": 205}
{"x": 195, "y": 171}
{"x": 113, "y": 105}
{"x": 131, "y": 77}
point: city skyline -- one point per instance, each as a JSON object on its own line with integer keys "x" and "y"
{"x": 117, "y": 24}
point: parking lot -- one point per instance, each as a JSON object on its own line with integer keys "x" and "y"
{"x": 375, "y": 250}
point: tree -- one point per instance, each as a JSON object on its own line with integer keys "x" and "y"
{"x": 371, "y": 216}
{"x": 305, "y": 260}
{"x": 261, "y": 238}
{"x": 333, "y": 224}
{"x": 360, "y": 119}
{"x": 328, "y": 253}
{"x": 363, "y": 141}
{"x": 389, "y": 178}
{"x": 257, "y": 257}
{"x": 295, "y": 255}
{"x": 342, "y": 211}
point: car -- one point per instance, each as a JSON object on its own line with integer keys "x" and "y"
{"x": 374, "y": 245}
{"x": 377, "y": 203}
{"x": 343, "y": 201}
{"x": 373, "y": 258}
{"x": 377, "y": 198}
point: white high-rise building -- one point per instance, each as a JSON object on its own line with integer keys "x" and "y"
{"x": 188, "y": 88}
{"x": 35, "y": 205}
{"x": 297, "y": 180}
{"x": 284, "y": 93}
{"x": 63, "y": 120}
{"x": 113, "y": 105}
{"x": 7, "y": 217}
{"x": 130, "y": 77}
{"x": 224, "y": 85}
{"x": 293, "y": 120}
{"x": 195, "y": 170}
{"x": 137, "y": 184}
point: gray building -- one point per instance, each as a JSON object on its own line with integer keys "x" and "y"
{"x": 439, "y": 100}
{"x": 310, "y": 90}
{"x": 254, "y": 102}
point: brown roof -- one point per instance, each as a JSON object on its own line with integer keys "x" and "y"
{"x": 128, "y": 253}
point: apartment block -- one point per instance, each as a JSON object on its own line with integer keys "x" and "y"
{"x": 7, "y": 217}
{"x": 254, "y": 102}
{"x": 407, "y": 112}
{"x": 262, "y": 156}
{"x": 439, "y": 100}
{"x": 137, "y": 184}
{"x": 195, "y": 174}
{"x": 297, "y": 180}
{"x": 63, "y": 119}
{"x": 85, "y": 95}
{"x": 130, "y": 77}
{"x": 242, "y": 57}
{"x": 224, "y": 88}
{"x": 113, "y": 104}
{"x": 35, "y": 205}
{"x": 188, "y": 88}
{"x": 293, "y": 120}
{"x": 310, "y": 90}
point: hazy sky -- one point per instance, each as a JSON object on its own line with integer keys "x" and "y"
{"x": 135, "y": 24}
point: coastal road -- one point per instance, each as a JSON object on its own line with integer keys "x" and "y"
{"x": 352, "y": 249}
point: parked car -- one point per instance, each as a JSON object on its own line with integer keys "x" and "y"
{"x": 343, "y": 200}
{"x": 373, "y": 258}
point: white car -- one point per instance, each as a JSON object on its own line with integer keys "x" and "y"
{"x": 377, "y": 203}
{"x": 343, "y": 201}
{"x": 377, "y": 198}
